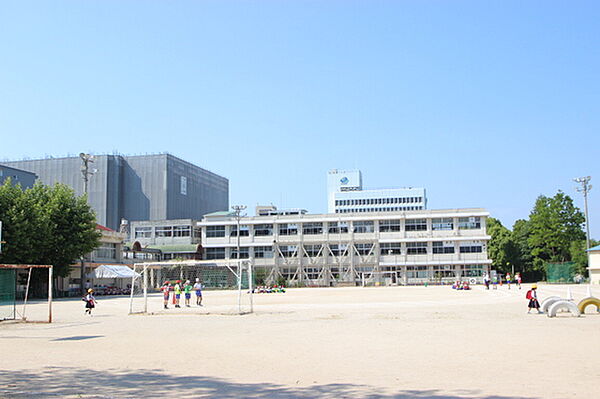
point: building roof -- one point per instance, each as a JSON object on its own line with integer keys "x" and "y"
{"x": 100, "y": 227}
{"x": 220, "y": 213}
{"x": 596, "y": 248}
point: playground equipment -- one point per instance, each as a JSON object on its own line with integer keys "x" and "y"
{"x": 585, "y": 302}
{"x": 563, "y": 305}
{"x": 549, "y": 301}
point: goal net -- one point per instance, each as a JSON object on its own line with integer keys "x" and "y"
{"x": 222, "y": 290}
{"x": 26, "y": 293}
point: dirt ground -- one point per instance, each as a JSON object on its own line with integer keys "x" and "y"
{"x": 379, "y": 342}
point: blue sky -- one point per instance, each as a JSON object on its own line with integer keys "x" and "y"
{"x": 483, "y": 103}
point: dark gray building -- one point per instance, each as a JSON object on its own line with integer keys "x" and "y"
{"x": 145, "y": 187}
{"x": 17, "y": 176}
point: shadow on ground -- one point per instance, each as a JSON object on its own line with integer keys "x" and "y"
{"x": 62, "y": 382}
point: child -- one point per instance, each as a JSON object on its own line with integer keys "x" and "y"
{"x": 518, "y": 278}
{"x": 90, "y": 301}
{"x": 486, "y": 281}
{"x": 508, "y": 280}
{"x": 533, "y": 301}
{"x": 495, "y": 281}
{"x": 187, "y": 290}
{"x": 198, "y": 289}
{"x": 177, "y": 291}
{"x": 166, "y": 290}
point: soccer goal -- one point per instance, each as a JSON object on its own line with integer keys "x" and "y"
{"x": 224, "y": 290}
{"x": 26, "y": 293}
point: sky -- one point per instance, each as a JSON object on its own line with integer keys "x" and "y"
{"x": 484, "y": 103}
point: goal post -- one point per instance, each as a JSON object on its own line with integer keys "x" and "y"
{"x": 16, "y": 293}
{"x": 224, "y": 289}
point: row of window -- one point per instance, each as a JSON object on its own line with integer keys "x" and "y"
{"x": 366, "y": 226}
{"x": 378, "y": 201}
{"x": 366, "y": 210}
{"x": 165, "y": 231}
{"x": 288, "y": 251}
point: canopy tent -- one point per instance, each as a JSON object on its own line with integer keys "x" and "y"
{"x": 112, "y": 271}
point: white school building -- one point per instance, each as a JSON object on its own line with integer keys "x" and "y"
{"x": 381, "y": 248}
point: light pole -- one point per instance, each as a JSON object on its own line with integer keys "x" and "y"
{"x": 585, "y": 188}
{"x": 86, "y": 172}
{"x": 238, "y": 215}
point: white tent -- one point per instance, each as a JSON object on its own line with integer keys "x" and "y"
{"x": 110, "y": 271}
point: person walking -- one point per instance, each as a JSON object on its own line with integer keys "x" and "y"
{"x": 508, "y": 277}
{"x": 486, "y": 281}
{"x": 518, "y": 279}
{"x": 90, "y": 301}
{"x": 198, "y": 289}
{"x": 177, "y": 292}
{"x": 166, "y": 290}
{"x": 495, "y": 281}
{"x": 533, "y": 300}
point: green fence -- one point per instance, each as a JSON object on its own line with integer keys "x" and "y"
{"x": 560, "y": 272}
{"x": 7, "y": 293}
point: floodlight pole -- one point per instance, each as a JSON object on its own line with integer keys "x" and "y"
{"x": 585, "y": 188}
{"x": 85, "y": 171}
{"x": 238, "y": 215}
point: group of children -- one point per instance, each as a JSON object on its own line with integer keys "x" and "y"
{"x": 176, "y": 289}
{"x": 461, "y": 285}
{"x": 267, "y": 289}
{"x": 497, "y": 279}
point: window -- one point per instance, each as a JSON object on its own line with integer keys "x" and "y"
{"x": 312, "y": 250}
{"x": 416, "y": 224}
{"x": 181, "y": 231}
{"x": 263, "y": 252}
{"x": 386, "y": 226}
{"x": 363, "y": 249}
{"x": 215, "y": 253}
{"x": 183, "y": 185}
{"x": 441, "y": 271}
{"x": 164, "y": 231}
{"x": 312, "y": 228}
{"x": 468, "y": 247}
{"x": 363, "y": 226}
{"x": 288, "y": 229}
{"x": 215, "y": 231}
{"x": 244, "y": 253}
{"x": 417, "y": 271}
{"x": 336, "y": 228}
{"x": 288, "y": 251}
{"x": 473, "y": 270}
{"x": 469, "y": 223}
{"x": 338, "y": 249}
{"x": 390, "y": 248}
{"x": 143, "y": 232}
{"x": 442, "y": 224}
{"x": 197, "y": 232}
{"x": 443, "y": 247}
{"x": 263, "y": 229}
{"x": 416, "y": 248}
{"x": 105, "y": 251}
{"x": 244, "y": 230}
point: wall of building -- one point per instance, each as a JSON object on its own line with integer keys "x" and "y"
{"x": 146, "y": 187}
{"x": 18, "y": 177}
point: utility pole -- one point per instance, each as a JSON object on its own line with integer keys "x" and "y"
{"x": 584, "y": 188}
{"x": 86, "y": 172}
{"x": 238, "y": 215}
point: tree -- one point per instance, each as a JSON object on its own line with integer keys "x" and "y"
{"x": 554, "y": 223}
{"x": 520, "y": 236}
{"x": 579, "y": 255}
{"x": 46, "y": 225}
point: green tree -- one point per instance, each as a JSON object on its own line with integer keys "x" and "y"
{"x": 502, "y": 248}
{"x": 46, "y": 225}
{"x": 579, "y": 255}
{"x": 554, "y": 223}
{"x": 520, "y": 237}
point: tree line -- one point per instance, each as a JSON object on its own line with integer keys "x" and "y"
{"x": 553, "y": 233}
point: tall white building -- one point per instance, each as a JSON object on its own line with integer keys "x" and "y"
{"x": 345, "y": 194}
{"x": 412, "y": 247}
